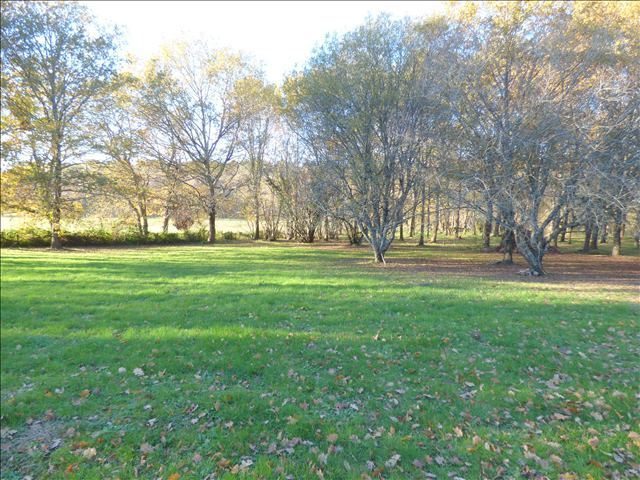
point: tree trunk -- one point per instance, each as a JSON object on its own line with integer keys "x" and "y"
{"x": 144, "y": 221}
{"x": 496, "y": 229}
{"x": 380, "y": 247}
{"x": 412, "y": 224}
{"x": 56, "y": 213}
{"x": 402, "y": 231}
{"x": 138, "y": 221}
{"x": 422, "y": 211}
{"x": 556, "y": 230}
{"x": 256, "y": 233}
{"x": 434, "y": 239}
{"x": 486, "y": 231}
{"x": 212, "y": 225}
{"x": 457, "y": 227}
{"x": 532, "y": 247}
{"x": 594, "y": 237}
{"x": 565, "y": 222}
{"x": 587, "y": 237}
{"x": 617, "y": 239}
{"x": 603, "y": 237}
{"x": 56, "y": 243}
{"x": 508, "y": 244}
{"x": 165, "y": 223}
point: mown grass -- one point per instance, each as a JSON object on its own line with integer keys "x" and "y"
{"x": 278, "y": 361}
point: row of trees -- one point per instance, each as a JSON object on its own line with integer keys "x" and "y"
{"x": 523, "y": 116}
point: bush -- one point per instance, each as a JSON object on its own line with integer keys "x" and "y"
{"x": 39, "y": 237}
{"x": 25, "y": 237}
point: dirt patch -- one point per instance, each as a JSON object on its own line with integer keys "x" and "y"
{"x": 20, "y": 446}
{"x": 619, "y": 273}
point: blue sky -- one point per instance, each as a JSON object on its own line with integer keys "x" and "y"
{"x": 280, "y": 35}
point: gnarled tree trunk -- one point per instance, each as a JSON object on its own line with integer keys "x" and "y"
{"x": 532, "y": 246}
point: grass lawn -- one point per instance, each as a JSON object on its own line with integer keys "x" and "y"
{"x": 280, "y": 361}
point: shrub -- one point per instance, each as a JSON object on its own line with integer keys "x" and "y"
{"x": 39, "y": 237}
{"x": 25, "y": 237}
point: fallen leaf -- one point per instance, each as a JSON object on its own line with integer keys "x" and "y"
{"x": 393, "y": 461}
{"x": 89, "y": 453}
{"x": 146, "y": 448}
{"x": 556, "y": 459}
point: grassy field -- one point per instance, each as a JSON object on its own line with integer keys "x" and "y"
{"x": 287, "y": 361}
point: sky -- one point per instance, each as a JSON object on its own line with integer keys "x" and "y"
{"x": 278, "y": 35}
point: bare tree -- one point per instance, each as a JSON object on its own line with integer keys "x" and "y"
{"x": 362, "y": 104}
{"x": 192, "y": 98}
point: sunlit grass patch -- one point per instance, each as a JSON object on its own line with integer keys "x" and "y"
{"x": 271, "y": 361}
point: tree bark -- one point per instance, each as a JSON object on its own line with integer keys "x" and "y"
{"x": 587, "y": 237}
{"x": 556, "y": 229}
{"x": 380, "y": 247}
{"x": 532, "y": 248}
{"x": 412, "y": 224}
{"x": 434, "y": 239}
{"x": 617, "y": 239}
{"x": 212, "y": 225}
{"x": 56, "y": 213}
{"x": 422, "y": 212}
{"x": 508, "y": 244}
{"x": 603, "y": 237}
{"x": 486, "y": 231}
{"x": 402, "y": 231}
{"x": 256, "y": 233}
{"x": 457, "y": 226}
{"x": 565, "y": 222}
{"x": 594, "y": 237}
{"x": 56, "y": 243}
{"x": 165, "y": 223}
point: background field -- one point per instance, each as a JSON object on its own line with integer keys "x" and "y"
{"x": 287, "y": 361}
{"x": 13, "y": 222}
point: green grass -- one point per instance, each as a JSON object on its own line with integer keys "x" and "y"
{"x": 260, "y": 354}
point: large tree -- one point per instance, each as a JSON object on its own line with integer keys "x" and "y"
{"x": 362, "y": 103}
{"x": 55, "y": 63}
{"x": 522, "y": 91}
{"x": 192, "y": 97}
{"x": 126, "y": 172}
{"x": 259, "y": 103}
